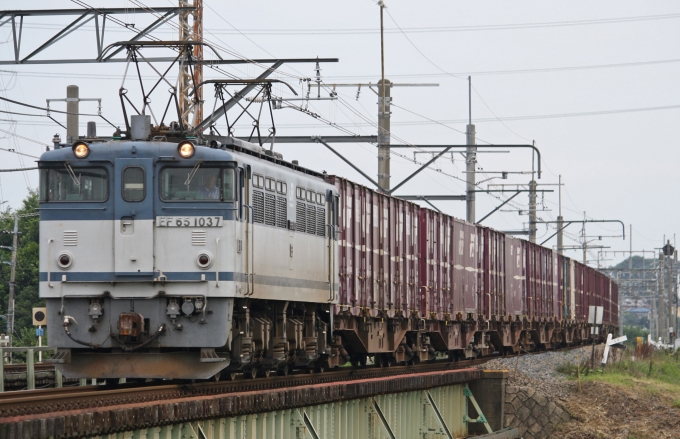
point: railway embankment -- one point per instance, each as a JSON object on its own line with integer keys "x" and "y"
{"x": 557, "y": 395}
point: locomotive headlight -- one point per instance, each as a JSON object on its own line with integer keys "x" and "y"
{"x": 186, "y": 149}
{"x": 65, "y": 260}
{"x": 204, "y": 260}
{"x": 81, "y": 150}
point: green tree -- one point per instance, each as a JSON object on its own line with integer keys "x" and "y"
{"x": 27, "y": 270}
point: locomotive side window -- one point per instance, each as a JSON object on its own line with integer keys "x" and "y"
{"x": 281, "y": 187}
{"x": 269, "y": 184}
{"x": 74, "y": 184}
{"x": 258, "y": 180}
{"x": 192, "y": 184}
{"x": 133, "y": 184}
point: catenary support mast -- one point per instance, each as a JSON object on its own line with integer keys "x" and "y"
{"x": 191, "y": 29}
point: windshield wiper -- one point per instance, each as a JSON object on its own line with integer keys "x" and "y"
{"x": 76, "y": 180}
{"x": 192, "y": 174}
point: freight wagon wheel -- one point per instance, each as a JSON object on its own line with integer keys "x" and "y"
{"x": 388, "y": 361}
{"x": 283, "y": 370}
{"x": 231, "y": 376}
{"x": 265, "y": 373}
{"x": 319, "y": 369}
{"x": 359, "y": 360}
{"x": 216, "y": 377}
{"x": 251, "y": 374}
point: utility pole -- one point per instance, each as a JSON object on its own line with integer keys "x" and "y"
{"x": 532, "y": 211}
{"x": 470, "y": 160}
{"x": 675, "y": 292}
{"x": 73, "y": 100}
{"x": 72, "y": 108}
{"x": 661, "y": 312}
{"x": 191, "y": 108}
{"x": 384, "y": 113}
{"x": 560, "y": 219}
{"x": 12, "y": 277}
{"x": 532, "y": 202}
{"x": 585, "y": 243}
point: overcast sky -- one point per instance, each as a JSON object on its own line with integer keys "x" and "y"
{"x": 590, "y": 82}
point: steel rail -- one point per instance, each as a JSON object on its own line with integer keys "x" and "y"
{"x": 43, "y": 401}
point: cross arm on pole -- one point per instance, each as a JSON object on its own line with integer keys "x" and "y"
{"x": 623, "y": 227}
{"x": 558, "y": 231}
{"x": 498, "y": 207}
{"x": 320, "y": 140}
{"x": 404, "y": 181}
{"x": 538, "y": 153}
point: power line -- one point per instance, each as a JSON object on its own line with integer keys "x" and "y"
{"x": 438, "y": 29}
{"x": 23, "y": 138}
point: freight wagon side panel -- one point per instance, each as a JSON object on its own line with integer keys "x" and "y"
{"x": 514, "y": 283}
{"x": 412, "y": 213}
{"x": 493, "y": 270}
{"x": 530, "y": 291}
{"x": 396, "y": 259}
{"x": 458, "y": 272}
{"x": 347, "y": 294}
{"x": 555, "y": 282}
{"x": 470, "y": 298}
{"x": 447, "y": 266}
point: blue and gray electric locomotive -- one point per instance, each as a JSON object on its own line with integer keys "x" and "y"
{"x": 152, "y": 253}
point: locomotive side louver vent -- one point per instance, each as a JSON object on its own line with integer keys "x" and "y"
{"x": 198, "y": 237}
{"x": 258, "y": 207}
{"x": 70, "y": 237}
{"x": 311, "y": 220}
{"x": 300, "y": 221}
{"x": 270, "y": 210}
{"x": 320, "y": 221}
{"x": 281, "y": 212}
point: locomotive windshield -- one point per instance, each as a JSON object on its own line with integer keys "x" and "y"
{"x": 197, "y": 183}
{"x": 74, "y": 184}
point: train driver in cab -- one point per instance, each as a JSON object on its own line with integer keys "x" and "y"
{"x": 209, "y": 190}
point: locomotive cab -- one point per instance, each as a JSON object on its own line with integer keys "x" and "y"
{"x": 139, "y": 258}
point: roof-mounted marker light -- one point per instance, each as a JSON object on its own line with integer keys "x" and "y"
{"x": 186, "y": 149}
{"x": 81, "y": 150}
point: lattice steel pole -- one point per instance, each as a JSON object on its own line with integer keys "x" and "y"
{"x": 191, "y": 29}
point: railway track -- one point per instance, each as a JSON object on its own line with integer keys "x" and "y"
{"x": 87, "y": 397}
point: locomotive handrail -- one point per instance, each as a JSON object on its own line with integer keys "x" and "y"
{"x": 71, "y": 208}
{"x": 249, "y": 248}
{"x": 217, "y": 267}
{"x": 198, "y": 208}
